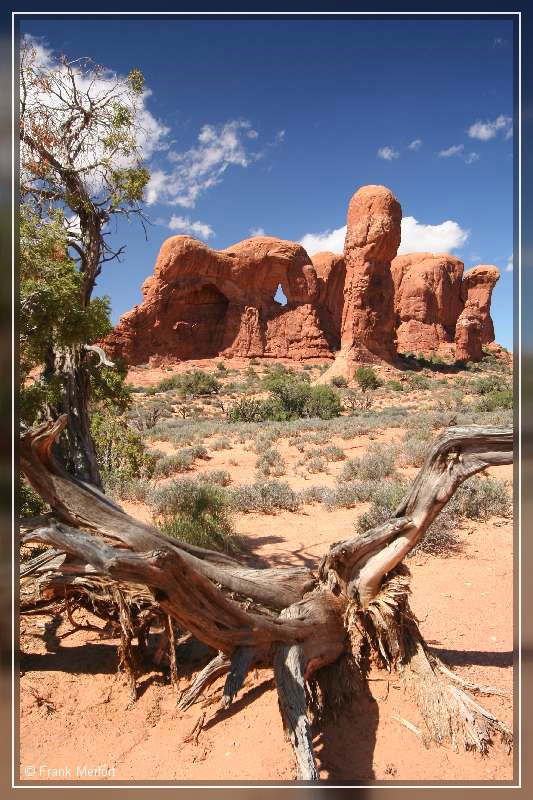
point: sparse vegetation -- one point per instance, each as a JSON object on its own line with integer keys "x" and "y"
{"x": 367, "y": 378}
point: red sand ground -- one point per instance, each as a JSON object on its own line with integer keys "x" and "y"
{"x": 464, "y": 603}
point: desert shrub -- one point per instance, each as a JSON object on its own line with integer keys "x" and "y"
{"x": 414, "y": 450}
{"x": 323, "y": 402}
{"x": 199, "y": 451}
{"x": 254, "y": 362}
{"x": 349, "y": 494}
{"x": 264, "y": 496}
{"x": 136, "y": 489}
{"x": 395, "y": 386}
{"x": 120, "y": 450}
{"x": 333, "y": 453}
{"x": 144, "y": 418}
{"x": 339, "y": 381}
{"x": 367, "y": 378}
{"x": 481, "y": 498}
{"x": 220, "y": 477}
{"x": 194, "y": 383}
{"x": 222, "y": 443}
{"x": 246, "y": 410}
{"x": 451, "y": 401}
{"x": 314, "y": 494}
{"x": 316, "y": 464}
{"x": 271, "y": 462}
{"x": 356, "y": 400}
{"x": 494, "y": 400}
{"x": 417, "y": 381}
{"x": 221, "y": 367}
{"x": 196, "y": 512}
{"x": 488, "y": 384}
{"x": 385, "y": 497}
{"x": 378, "y": 462}
{"x": 175, "y": 462}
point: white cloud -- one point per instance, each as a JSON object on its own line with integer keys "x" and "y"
{"x": 470, "y": 158}
{"x": 484, "y": 131}
{"x": 186, "y": 225}
{"x": 509, "y": 265}
{"x": 509, "y": 133}
{"x": 416, "y": 237}
{"x": 388, "y": 153}
{"x": 441, "y": 238}
{"x": 454, "y": 150}
{"x": 201, "y": 167}
{"x": 95, "y": 85}
{"x": 332, "y": 240}
{"x": 416, "y": 144}
{"x": 257, "y": 232}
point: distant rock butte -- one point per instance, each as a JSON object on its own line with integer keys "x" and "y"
{"x": 363, "y": 306}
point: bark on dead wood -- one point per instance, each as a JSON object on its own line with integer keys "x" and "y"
{"x": 300, "y": 625}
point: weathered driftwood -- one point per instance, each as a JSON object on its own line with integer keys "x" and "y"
{"x": 300, "y": 624}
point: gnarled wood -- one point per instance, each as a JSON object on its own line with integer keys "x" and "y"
{"x": 300, "y": 625}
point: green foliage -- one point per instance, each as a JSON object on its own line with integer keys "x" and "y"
{"x": 136, "y": 80}
{"x": 489, "y": 384}
{"x": 221, "y": 367}
{"x": 194, "y": 383}
{"x": 120, "y": 450}
{"x": 51, "y": 315}
{"x": 396, "y": 386}
{"x": 494, "y": 400}
{"x": 339, "y": 381}
{"x": 367, "y": 378}
{"x": 417, "y": 381}
{"x": 31, "y": 503}
{"x": 290, "y": 398}
{"x": 195, "y": 511}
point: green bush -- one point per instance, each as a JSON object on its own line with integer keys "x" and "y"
{"x": 378, "y": 462}
{"x": 194, "y": 383}
{"x": 494, "y": 400}
{"x": 120, "y": 451}
{"x": 395, "y": 386}
{"x": 339, "y": 381}
{"x": 367, "y": 378}
{"x": 323, "y": 402}
{"x": 246, "y": 410}
{"x": 264, "y": 496}
{"x": 489, "y": 384}
{"x": 31, "y": 503}
{"x": 316, "y": 464}
{"x": 194, "y": 511}
{"x": 416, "y": 381}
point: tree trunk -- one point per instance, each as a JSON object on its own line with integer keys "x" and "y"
{"x": 75, "y": 448}
{"x": 316, "y": 632}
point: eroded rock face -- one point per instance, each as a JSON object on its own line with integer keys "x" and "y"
{"x": 364, "y": 305}
{"x": 468, "y": 333}
{"x": 427, "y": 300}
{"x": 200, "y": 303}
{"x": 372, "y": 240}
{"x": 478, "y": 284}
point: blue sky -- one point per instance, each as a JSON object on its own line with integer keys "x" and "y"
{"x": 272, "y": 125}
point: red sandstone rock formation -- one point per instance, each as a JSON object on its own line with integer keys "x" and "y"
{"x": 468, "y": 333}
{"x": 201, "y": 302}
{"x": 427, "y": 300}
{"x": 478, "y": 284}
{"x": 331, "y": 272}
{"x": 372, "y": 239}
